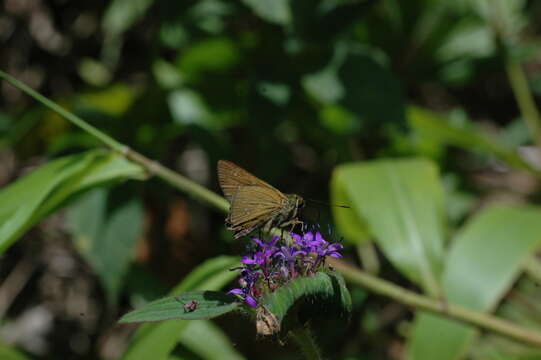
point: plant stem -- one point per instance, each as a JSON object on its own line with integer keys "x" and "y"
{"x": 355, "y": 276}
{"x": 525, "y": 100}
{"x": 368, "y": 257}
{"x": 304, "y": 339}
{"x": 106, "y": 139}
{"x": 417, "y": 301}
{"x": 175, "y": 179}
{"x": 182, "y": 183}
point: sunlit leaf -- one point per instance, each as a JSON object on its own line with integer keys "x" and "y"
{"x": 429, "y": 125}
{"x": 484, "y": 260}
{"x": 207, "y": 305}
{"x": 33, "y": 197}
{"x": 400, "y": 202}
{"x": 156, "y": 341}
{"x": 208, "y": 341}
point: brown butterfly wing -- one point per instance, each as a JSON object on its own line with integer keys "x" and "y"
{"x": 232, "y": 177}
{"x": 252, "y": 207}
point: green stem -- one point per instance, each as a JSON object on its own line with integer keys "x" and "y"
{"x": 306, "y": 342}
{"x": 417, "y": 301}
{"x": 368, "y": 257}
{"x": 525, "y": 100}
{"x": 370, "y": 282}
{"x": 106, "y": 139}
{"x": 175, "y": 179}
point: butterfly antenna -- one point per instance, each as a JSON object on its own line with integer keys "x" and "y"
{"x": 324, "y": 203}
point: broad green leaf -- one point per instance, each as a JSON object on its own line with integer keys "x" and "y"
{"x": 31, "y": 198}
{"x": 207, "y": 305}
{"x": 9, "y": 353}
{"x": 352, "y": 226}
{"x": 401, "y": 203}
{"x": 156, "y": 341}
{"x": 106, "y": 237}
{"x": 276, "y": 11}
{"x": 432, "y": 127}
{"x": 208, "y": 341}
{"x": 324, "y": 286}
{"x": 484, "y": 261}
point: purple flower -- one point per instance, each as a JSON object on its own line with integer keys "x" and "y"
{"x": 268, "y": 248}
{"x": 258, "y": 258}
{"x": 271, "y": 265}
{"x": 247, "y": 281}
{"x": 248, "y": 299}
{"x": 331, "y": 250}
{"x": 289, "y": 256}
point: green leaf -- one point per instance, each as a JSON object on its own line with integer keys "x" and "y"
{"x": 352, "y": 226}
{"x": 467, "y": 39}
{"x": 505, "y": 18}
{"x": 275, "y": 11}
{"x": 215, "y": 55}
{"x": 208, "y": 341}
{"x": 156, "y": 341}
{"x": 208, "y": 304}
{"x": 484, "y": 261}
{"x": 114, "y": 100}
{"x": 434, "y": 128}
{"x": 188, "y": 107}
{"x": 401, "y": 203}
{"x": 106, "y": 237}
{"x": 323, "y": 286}
{"x": 33, "y": 197}
{"x": 9, "y": 353}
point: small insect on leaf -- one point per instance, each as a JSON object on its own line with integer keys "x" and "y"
{"x": 255, "y": 204}
{"x": 191, "y": 306}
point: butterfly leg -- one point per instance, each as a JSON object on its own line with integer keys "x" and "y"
{"x": 268, "y": 225}
{"x": 292, "y": 223}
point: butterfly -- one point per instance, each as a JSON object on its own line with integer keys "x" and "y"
{"x": 255, "y": 204}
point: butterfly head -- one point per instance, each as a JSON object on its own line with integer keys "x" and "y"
{"x": 295, "y": 202}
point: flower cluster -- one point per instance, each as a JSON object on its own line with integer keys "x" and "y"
{"x": 272, "y": 264}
